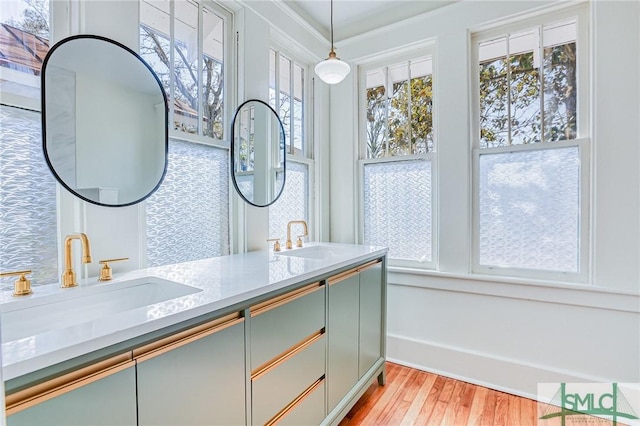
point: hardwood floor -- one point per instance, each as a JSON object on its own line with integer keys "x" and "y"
{"x": 413, "y": 397}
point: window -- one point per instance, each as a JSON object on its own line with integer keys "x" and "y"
{"x": 288, "y": 97}
{"x": 186, "y": 43}
{"x": 28, "y": 217}
{"x": 189, "y": 60}
{"x": 24, "y": 43}
{"x": 531, "y": 159}
{"x": 28, "y": 222}
{"x": 398, "y": 168}
{"x": 188, "y": 217}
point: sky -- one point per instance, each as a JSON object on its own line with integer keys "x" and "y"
{"x": 11, "y": 9}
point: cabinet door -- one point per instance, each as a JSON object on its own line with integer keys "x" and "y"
{"x": 108, "y": 401}
{"x": 197, "y": 382}
{"x": 370, "y": 316}
{"x": 342, "y": 330}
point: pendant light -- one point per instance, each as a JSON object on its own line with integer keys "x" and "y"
{"x": 332, "y": 70}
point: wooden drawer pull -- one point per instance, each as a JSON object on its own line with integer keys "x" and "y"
{"x": 369, "y": 265}
{"x": 263, "y": 369}
{"x": 351, "y": 272}
{"x": 293, "y": 404}
{"x": 343, "y": 276}
{"x": 177, "y": 340}
{"x": 261, "y": 308}
{"x": 42, "y": 392}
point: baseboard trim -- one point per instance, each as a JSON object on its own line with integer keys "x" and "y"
{"x": 501, "y": 374}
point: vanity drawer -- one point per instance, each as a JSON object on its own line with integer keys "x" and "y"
{"x": 308, "y": 410}
{"x": 275, "y": 388}
{"x": 283, "y": 322}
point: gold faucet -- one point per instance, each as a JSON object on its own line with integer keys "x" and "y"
{"x": 69, "y": 276}
{"x": 299, "y": 241}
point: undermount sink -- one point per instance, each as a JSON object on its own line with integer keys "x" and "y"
{"x": 313, "y": 252}
{"x": 83, "y": 304}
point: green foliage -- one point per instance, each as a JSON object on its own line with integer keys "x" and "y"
{"x": 512, "y": 103}
{"x": 409, "y": 114}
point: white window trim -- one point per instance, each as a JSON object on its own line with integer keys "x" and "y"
{"x": 430, "y": 157}
{"x": 581, "y": 276}
{"x": 229, "y": 74}
{"x": 308, "y": 155}
{"x": 583, "y": 142}
{"x": 230, "y": 81}
{"x": 579, "y": 12}
{"x": 418, "y": 50}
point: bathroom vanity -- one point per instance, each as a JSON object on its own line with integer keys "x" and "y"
{"x": 292, "y": 337}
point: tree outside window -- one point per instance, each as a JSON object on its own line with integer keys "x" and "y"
{"x": 198, "y": 81}
{"x": 528, "y": 88}
{"x": 399, "y": 114}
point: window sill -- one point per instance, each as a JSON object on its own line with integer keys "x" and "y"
{"x": 517, "y": 288}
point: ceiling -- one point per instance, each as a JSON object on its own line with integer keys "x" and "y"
{"x": 353, "y": 17}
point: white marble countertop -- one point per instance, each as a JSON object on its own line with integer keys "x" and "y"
{"x": 222, "y": 282}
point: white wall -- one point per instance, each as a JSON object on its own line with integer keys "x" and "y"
{"x": 505, "y": 333}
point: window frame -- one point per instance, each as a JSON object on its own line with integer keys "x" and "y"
{"x": 418, "y": 51}
{"x": 582, "y": 142}
{"x": 229, "y": 46}
{"x": 229, "y": 89}
{"x": 307, "y": 156}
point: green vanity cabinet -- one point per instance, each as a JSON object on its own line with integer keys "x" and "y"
{"x": 342, "y": 327}
{"x": 287, "y": 358}
{"x": 195, "y": 377}
{"x": 296, "y": 356}
{"x": 371, "y": 320}
{"x": 102, "y": 394}
{"x": 355, "y": 328}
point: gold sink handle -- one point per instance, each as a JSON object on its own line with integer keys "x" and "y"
{"x": 21, "y": 286}
{"x": 276, "y": 245}
{"x": 299, "y": 241}
{"x": 106, "y": 273}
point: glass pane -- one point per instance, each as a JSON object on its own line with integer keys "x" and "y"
{"x": 212, "y": 75}
{"x": 399, "y": 142}
{"x": 24, "y": 43}
{"x": 530, "y": 209}
{"x": 185, "y": 66}
{"x": 293, "y": 204}
{"x": 560, "y": 85}
{"x": 298, "y": 100}
{"x": 525, "y": 88}
{"x": 285, "y": 100}
{"x": 28, "y": 221}
{"x": 154, "y": 39}
{"x": 376, "y": 114}
{"x": 188, "y": 217}
{"x": 422, "y": 114}
{"x": 494, "y": 97}
{"x": 398, "y": 208}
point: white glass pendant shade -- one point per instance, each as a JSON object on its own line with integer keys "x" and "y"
{"x": 332, "y": 70}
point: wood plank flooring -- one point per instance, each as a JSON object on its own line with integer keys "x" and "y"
{"x": 413, "y": 397}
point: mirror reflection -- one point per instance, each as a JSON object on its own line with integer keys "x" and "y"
{"x": 104, "y": 118}
{"x": 257, "y": 153}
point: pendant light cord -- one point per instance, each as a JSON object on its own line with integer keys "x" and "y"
{"x": 332, "y": 25}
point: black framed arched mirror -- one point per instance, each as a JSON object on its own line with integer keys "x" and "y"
{"x": 104, "y": 121}
{"x": 258, "y": 153}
